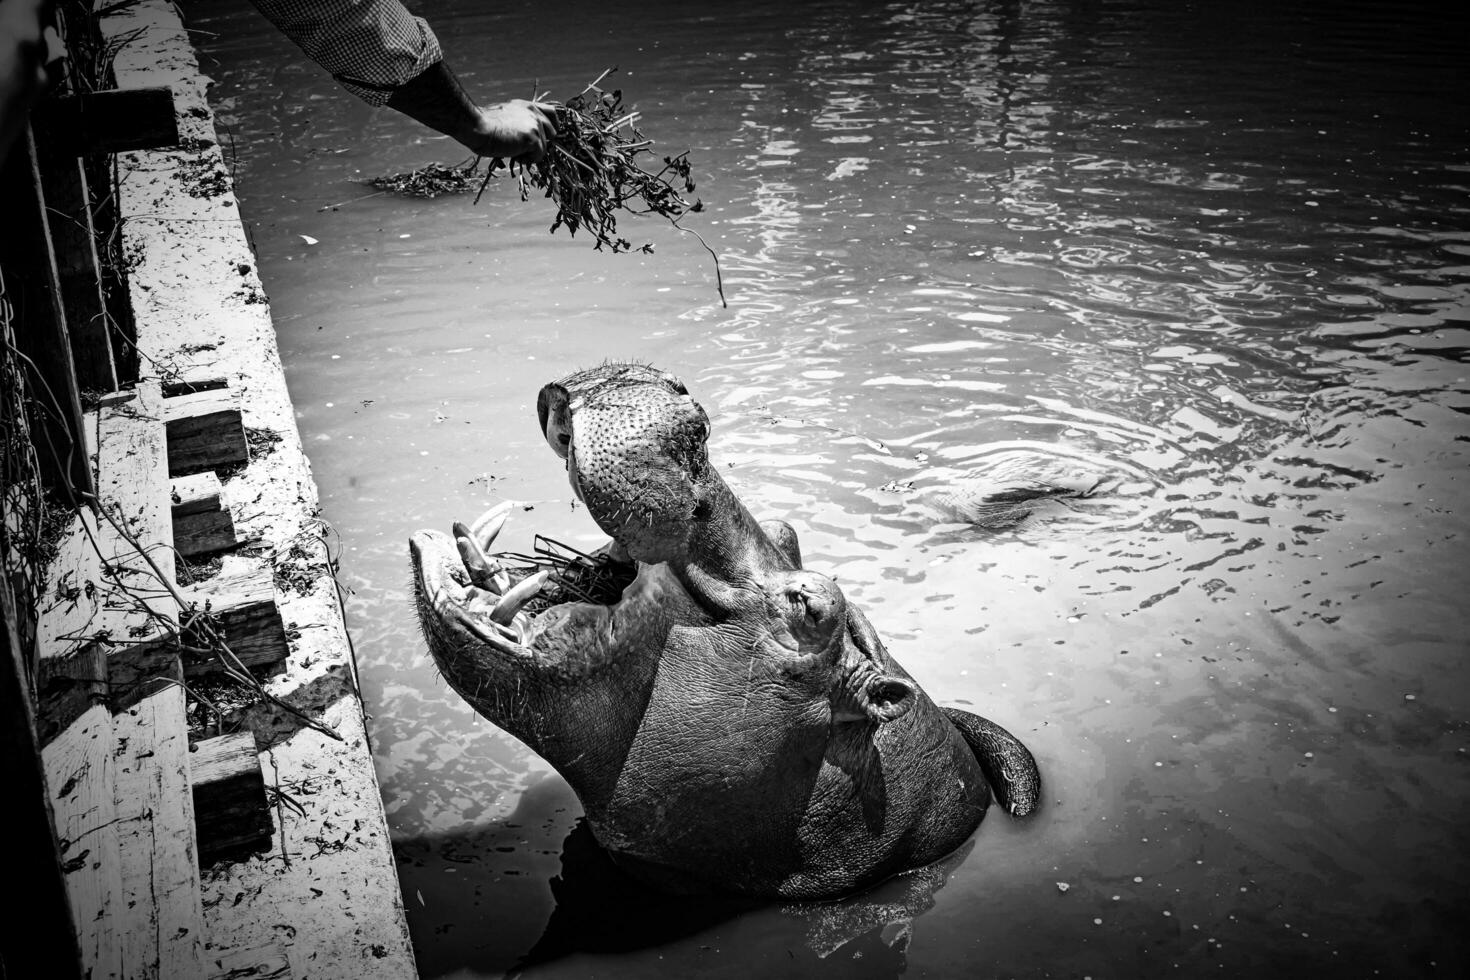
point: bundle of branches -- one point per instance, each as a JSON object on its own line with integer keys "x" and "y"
{"x": 599, "y": 163}
{"x": 594, "y": 168}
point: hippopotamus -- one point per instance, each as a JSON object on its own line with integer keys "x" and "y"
{"x": 731, "y": 723}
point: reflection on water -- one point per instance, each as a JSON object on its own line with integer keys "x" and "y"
{"x": 1222, "y": 257}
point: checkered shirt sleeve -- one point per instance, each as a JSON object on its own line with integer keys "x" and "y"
{"x": 370, "y": 46}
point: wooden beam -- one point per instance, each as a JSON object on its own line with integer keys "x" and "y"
{"x": 202, "y": 520}
{"x": 203, "y": 534}
{"x": 175, "y": 388}
{"x": 67, "y": 687}
{"x": 69, "y": 215}
{"x": 33, "y": 288}
{"x": 197, "y": 494}
{"x": 158, "y": 918}
{"x": 245, "y": 609}
{"x": 205, "y": 430}
{"x": 80, "y": 771}
{"x": 231, "y": 812}
{"x": 138, "y": 671}
{"x": 38, "y": 935}
{"x": 112, "y": 120}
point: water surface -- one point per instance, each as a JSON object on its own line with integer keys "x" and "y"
{"x": 1225, "y": 251}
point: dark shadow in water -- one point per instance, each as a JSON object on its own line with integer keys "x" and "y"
{"x": 538, "y": 912}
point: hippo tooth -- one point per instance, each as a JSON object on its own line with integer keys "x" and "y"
{"x": 496, "y": 635}
{"x": 488, "y": 525}
{"x": 517, "y": 596}
{"x": 476, "y": 562}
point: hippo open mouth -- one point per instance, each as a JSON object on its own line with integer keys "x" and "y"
{"x": 729, "y": 721}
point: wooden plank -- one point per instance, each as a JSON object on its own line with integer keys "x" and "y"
{"x": 67, "y": 687}
{"x": 112, "y": 120}
{"x": 69, "y": 215}
{"x": 32, "y": 287}
{"x": 205, "y": 430}
{"x": 158, "y": 916}
{"x": 202, "y": 522}
{"x": 231, "y": 812}
{"x": 257, "y": 963}
{"x": 133, "y": 486}
{"x": 202, "y": 534}
{"x": 138, "y": 671}
{"x": 180, "y": 386}
{"x": 197, "y": 494}
{"x": 37, "y": 934}
{"x": 245, "y": 609}
{"x": 80, "y": 773}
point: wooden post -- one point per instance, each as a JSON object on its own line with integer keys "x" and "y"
{"x": 248, "y": 619}
{"x": 69, "y": 216}
{"x": 205, "y": 430}
{"x": 231, "y": 812}
{"x": 202, "y": 520}
{"x": 33, "y": 286}
{"x": 69, "y": 213}
{"x": 37, "y": 934}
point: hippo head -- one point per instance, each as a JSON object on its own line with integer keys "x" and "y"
{"x": 730, "y": 721}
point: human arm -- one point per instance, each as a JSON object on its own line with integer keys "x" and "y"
{"x": 381, "y": 53}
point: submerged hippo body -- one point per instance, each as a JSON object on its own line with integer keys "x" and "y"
{"x": 730, "y": 723}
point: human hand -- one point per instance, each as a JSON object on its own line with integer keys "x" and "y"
{"x": 514, "y": 130}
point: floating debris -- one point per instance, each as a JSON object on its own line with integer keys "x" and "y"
{"x": 433, "y": 180}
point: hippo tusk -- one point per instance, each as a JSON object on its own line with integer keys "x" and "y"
{"x": 481, "y": 567}
{"x": 488, "y": 525}
{"x": 517, "y": 596}
{"x": 497, "y": 636}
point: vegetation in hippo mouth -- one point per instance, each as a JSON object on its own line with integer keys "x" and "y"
{"x": 573, "y": 576}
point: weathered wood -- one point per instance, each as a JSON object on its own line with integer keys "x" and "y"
{"x": 231, "y": 812}
{"x": 202, "y": 521}
{"x": 197, "y": 494}
{"x": 69, "y": 215}
{"x": 67, "y": 610}
{"x": 33, "y": 289}
{"x": 112, "y": 120}
{"x": 181, "y": 386}
{"x": 247, "y": 616}
{"x": 80, "y": 771}
{"x": 203, "y": 534}
{"x": 259, "y": 963}
{"x": 67, "y": 687}
{"x": 138, "y": 671}
{"x": 37, "y": 934}
{"x": 205, "y": 430}
{"x": 158, "y": 917}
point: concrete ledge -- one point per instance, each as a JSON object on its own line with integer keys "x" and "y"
{"x": 202, "y": 313}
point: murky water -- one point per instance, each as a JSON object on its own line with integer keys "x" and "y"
{"x": 1227, "y": 252}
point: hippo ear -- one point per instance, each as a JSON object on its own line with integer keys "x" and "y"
{"x": 554, "y": 413}
{"x": 873, "y": 696}
{"x": 889, "y": 698}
